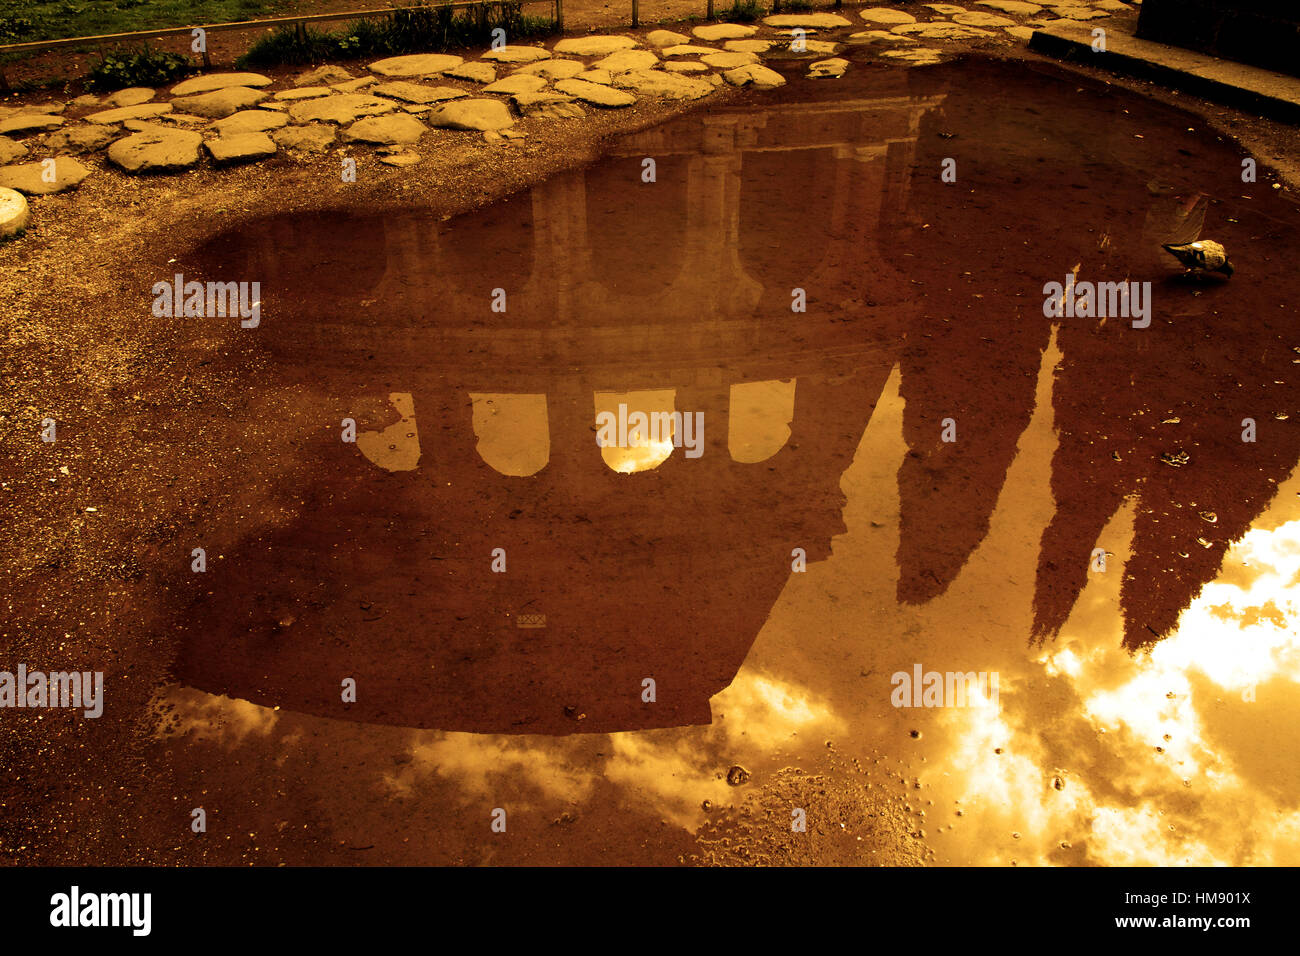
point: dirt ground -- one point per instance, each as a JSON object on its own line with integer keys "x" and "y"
{"x": 138, "y": 405}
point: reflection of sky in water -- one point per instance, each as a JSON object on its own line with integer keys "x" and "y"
{"x": 1184, "y": 754}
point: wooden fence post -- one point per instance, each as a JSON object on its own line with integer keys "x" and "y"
{"x": 709, "y": 14}
{"x": 636, "y": 17}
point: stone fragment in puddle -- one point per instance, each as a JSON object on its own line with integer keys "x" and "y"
{"x": 754, "y": 74}
{"x": 828, "y": 69}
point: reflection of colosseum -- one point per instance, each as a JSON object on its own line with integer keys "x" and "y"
{"x": 676, "y": 292}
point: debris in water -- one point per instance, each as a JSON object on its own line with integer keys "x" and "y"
{"x": 737, "y": 775}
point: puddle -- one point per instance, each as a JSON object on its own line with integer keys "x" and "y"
{"x": 792, "y": 530}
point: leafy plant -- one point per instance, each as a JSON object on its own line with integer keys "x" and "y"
{"x": 144, "y": 67}
{"x": 743, "y": 11}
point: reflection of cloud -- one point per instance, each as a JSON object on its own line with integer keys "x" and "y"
{"x": 676, "y": 770}
{"x": 226, "y": 721}
{"x": 494, "y": 766}
{"x": 1185, "y": 755}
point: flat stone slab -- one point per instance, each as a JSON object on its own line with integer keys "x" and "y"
{"x": 1081, "y": 13}
{"x": 685, "y": 66}
{"x": 517, "y": 83}
{"x": 219, "y": 81}
{"x": 688, "y": 49}
{"x": 517, "y": 54}
{"x": 945, "y": 9}
{"x": 748, "y": 46}
{"x": 831, "y": 69}
{"x": 241, "y": 148}
{"x": 249, "y": 121}
{"x": 977, "y": 18}
{"x": 77, "y": 139}
{"x": 397, "y": 129}
{"x": 473, "y": 72}
{"x": 729, "y": 61}
{"x": 547, "y": 105}
{"x": 44, "y": 178}
{"x": 156, "y": 151}
{"x": 303, "y": 93}
{"x": 671, "y": 86}
{"x": 879, "y": 36}
{"x": 821, "y": 46}
{"x": 625, "y": 60}
{"x": 941, "y": 30}
{"x": 755, "y": 74}
{"x": 124, "y": 113}
{"x": 131, "y": 96}
{"x": 473, "y": 114}
{"x": 661, "y": 38}
{"x": 603, "y": 77}
{"x": 401, "y": 160}
{"x": 9, "y": 150}
{"x": 322, "y": 76}
{"x": 551, "y": 69}
{"x": 418, "y": 64}
{"x": 595, "y": 94}
{"x": 885, "y": 15}
{"x": 594, "y": 46}
{"x": 1247, "y": 87}
{"x": 13, "y": 212}
{"x": 919, "y": 55}
{"x": 342, "y": 109}
{"x": 218, "y": 104}
{"x": 351, "y": 86}
{"x": 313, "y": 138}
{"x": 1021, "y": 33}
{"x": 814, "y": 20}
{"x": 724, "y": 31}
{"x": 1018, "y": 7}
{"x": 30, "y": 123}
{"x": 417, "y": 92}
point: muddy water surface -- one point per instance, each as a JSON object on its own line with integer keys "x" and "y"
{"x": 773, "y": 569}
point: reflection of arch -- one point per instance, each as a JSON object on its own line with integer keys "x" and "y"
{"x": 514, "y": 436}
{"x": 639, "y": 423}
{"x": 758, "y": 419}
{"x": 635, "y": 255}
{"x": 782, "y": 224}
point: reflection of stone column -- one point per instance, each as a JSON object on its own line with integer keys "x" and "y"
{"x": 713, "y": 227}
{"x": 561, "y": 252}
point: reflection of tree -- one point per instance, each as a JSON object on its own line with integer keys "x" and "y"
{"x": 1209, "y": 358}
